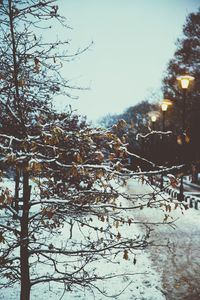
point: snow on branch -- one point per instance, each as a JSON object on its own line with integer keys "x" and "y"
{"x": 144, "y": 136}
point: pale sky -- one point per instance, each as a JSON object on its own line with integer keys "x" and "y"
{"x": 133, "y": 42}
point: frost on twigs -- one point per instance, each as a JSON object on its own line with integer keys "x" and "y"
{"x": 68, "y": 186}
{"x": 79, "y": 210}
{"x": 65, "y": 206}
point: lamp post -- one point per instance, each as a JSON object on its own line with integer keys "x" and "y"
{"x": 184, "y": 83}
{"x": 164, "y": 107}
{"x": 153, "y": 121}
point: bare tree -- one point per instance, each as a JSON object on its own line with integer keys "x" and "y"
{"x": 66, "y": 172}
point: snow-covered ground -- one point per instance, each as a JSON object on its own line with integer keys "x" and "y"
{"x": 141, "y": 280}
{"x": 157, "y": 273}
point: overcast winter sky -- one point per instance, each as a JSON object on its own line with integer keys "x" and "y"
{"x": 133, "y": 42}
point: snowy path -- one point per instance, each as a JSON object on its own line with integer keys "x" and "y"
{"x": 178, "y": 265}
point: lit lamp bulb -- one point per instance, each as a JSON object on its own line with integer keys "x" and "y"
{"x": 153, "y": 119}
{"x": 164, "y": 106}
{"x": 185, "y": 80}
{"x": 179, "y": 140}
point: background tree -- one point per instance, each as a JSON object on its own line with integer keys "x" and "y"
{"x": 186, "y": 61}
{"x": 138, "y": 124}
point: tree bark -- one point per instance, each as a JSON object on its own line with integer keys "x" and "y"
{"x": 24, "y": 253}
{"x": 16, "y": 201}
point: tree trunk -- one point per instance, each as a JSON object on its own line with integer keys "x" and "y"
{"x": 24, "y": 253}
{"x": 17, "y": 178}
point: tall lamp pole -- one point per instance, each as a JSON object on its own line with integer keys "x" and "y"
{"x": 184, "y": 83}
{"x": 153, "y": 121}
{"x": 164, "y": 107}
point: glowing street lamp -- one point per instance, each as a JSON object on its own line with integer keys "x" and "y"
{"x": 153, "y": 120}
{"x": 164, "y": 107}
{"x": 153, "y": 117}
{"x": 185, "y": 81}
